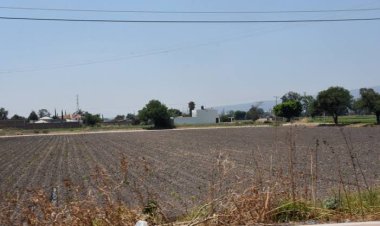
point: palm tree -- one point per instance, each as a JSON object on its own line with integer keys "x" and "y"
{"x": 191, "y": 107}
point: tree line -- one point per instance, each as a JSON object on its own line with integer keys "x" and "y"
{"x": 334, "y": 101}
{"x": 33, "y": 116}
{"x": 87, "y": 118}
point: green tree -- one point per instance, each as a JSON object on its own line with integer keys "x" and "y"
{"x": 335, "y": 101}
{"x": 288, "y": 109}
{"x": 133, "y": 119}
{"x": 291, "y": 96}
{"x": 314, "y": 110}
{"x": 43, "y": 113}
{"x": 79, "y": 112}
{"x": 357, "y": 108}
{"x": 33, "y": 116}
{"x": 17, "y": 117}
{"x": 174, "y": 112}
{"x": 157, "y": 113}
{"x": 90, "y": 119}
{"x": 226, "y": 117}
{"x": 191, "y": 105}
{"x": 308, "y": 103}
{"x": 254, "y": 113}
{"x": 119, "y": 118}
{"x": 3, "y": 114}
{"x": 240, "y": 115}
{"x": 369, "y": 102}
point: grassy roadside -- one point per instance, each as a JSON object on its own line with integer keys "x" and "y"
{"x": 226, "y": 124}
{"x": 100, "y": 128}
{"x": 84, "y": 129}
{"x": 255, "y": 206}
{"x": 346, "y": 119}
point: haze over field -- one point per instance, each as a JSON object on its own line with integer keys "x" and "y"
{"x": 268, "y": 104}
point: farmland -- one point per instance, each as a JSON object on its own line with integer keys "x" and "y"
{"x": 346, "y": 119}
{"x": 177, "y": 167}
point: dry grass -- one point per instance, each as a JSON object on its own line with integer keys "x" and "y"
{"x": 39, "y": 210}
{"x": 277, "y": 200}
{"x": 42, "y": 209}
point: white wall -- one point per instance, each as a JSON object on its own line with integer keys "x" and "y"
{"x": 206, "y": 116}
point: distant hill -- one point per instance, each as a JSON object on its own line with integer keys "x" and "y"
{"x": 268, "y": 105}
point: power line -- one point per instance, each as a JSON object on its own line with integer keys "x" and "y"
{"x": 189, "y": 21}
{"x": 190, "y": 12}
{"x": 153, "y": 52}
{"x": 91, "y": 62}
{"x": 150, "y": 53}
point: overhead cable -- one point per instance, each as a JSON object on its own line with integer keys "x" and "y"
{"x": 190, "y": 12}
{"x": 189, "y": 21}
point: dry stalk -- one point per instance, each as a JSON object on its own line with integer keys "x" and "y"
{"x": 312, "y": 180}
{"x": 352, "y": 158}
{"x": 291, "y": 154}
{"x": 316, "y": 168}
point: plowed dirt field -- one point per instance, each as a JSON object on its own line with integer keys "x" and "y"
{"x": 177, "y": 167}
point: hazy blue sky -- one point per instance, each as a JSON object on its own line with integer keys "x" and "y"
{"x": 211, "y": 64}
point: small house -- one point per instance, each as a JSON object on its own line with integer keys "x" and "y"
{"x": 199, "y": 116}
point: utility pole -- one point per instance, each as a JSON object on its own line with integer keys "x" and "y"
{"x": 275, "y": 116}
{"x": 77, "y": 103}
{"x": 304, "y": 103}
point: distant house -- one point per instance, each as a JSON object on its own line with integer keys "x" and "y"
{"x": 77, "y": 117}
{"x": 45, "y": 119}
{"x": 200, "y": 116}
{"x": 72, "y": 117}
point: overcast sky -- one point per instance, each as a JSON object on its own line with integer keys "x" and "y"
{"x": 45, "y": 64}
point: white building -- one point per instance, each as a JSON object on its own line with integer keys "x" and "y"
{"x": 45, "y": 119}
{"x": 200, "y": 116}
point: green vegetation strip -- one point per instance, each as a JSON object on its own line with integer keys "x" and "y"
{"x": 349, "y": 119}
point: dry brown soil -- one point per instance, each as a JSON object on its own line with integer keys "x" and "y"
{"x": 177, "y": 167}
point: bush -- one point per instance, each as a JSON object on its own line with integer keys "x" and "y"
{"x": 156, "y": 113}
{"x": 91, "y": 120}
{"x": 255, "y": 113}
{"x": 288, "y": 109}
{"x": 297, "y": 211}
